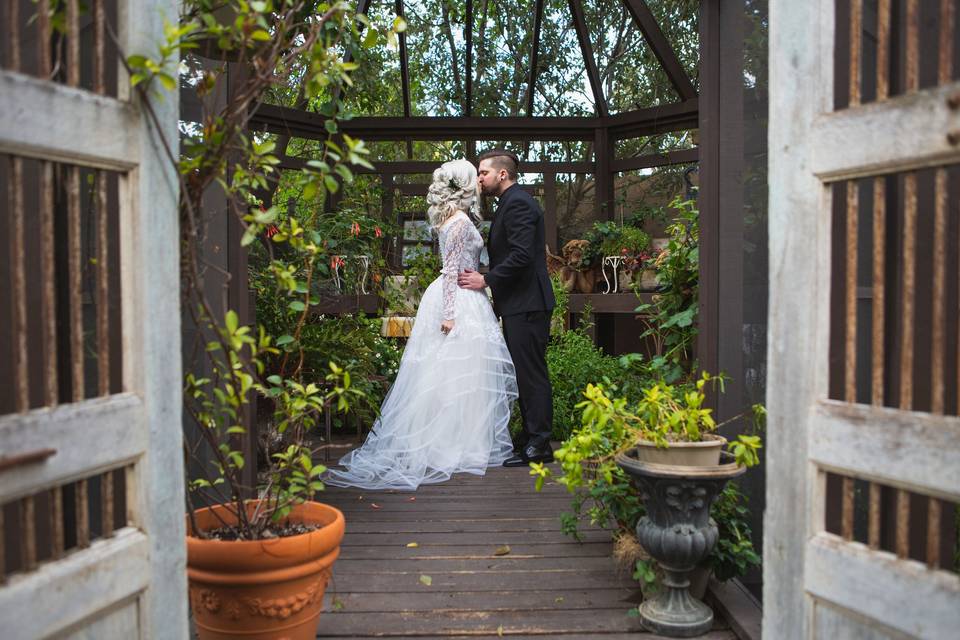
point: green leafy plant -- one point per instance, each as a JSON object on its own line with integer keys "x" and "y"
{"x": 611, "y": 425}
{"x": 734, "y": 553}
{"x": 613, "y": 239}
{"x": 573, "y": 361}
{"x": 282, "y": 43}
{"x": 670, "y": 318}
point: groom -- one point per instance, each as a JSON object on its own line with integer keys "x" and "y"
{"x": 522, "y": 297}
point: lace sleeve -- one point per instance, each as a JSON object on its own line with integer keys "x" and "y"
{"x": 453, "y": 250}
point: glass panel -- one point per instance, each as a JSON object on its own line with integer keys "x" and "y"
{"x": 502, "y": 39}
{"x": 679, "y": 21}
{"x": 376, "y": 90}
{"x": 631, "y": 75}
{"x": 562, "y": 85}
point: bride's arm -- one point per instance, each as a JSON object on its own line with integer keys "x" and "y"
{"x": 453, "y": 250}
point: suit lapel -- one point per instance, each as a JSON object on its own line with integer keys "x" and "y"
{"x": 498, "y": 216}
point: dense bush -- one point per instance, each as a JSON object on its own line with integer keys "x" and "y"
{"x": 574, "y": 362}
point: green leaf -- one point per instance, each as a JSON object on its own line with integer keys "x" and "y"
{"x": 331, "y": 183}
{"x": 169, "y": 82}
{"x": 285, "y": 339}
{"x": 370, "y": 39}
{"x": 232, "y": 321}
{"x": 426, "y": 580}
{"x": 296, "y": 305}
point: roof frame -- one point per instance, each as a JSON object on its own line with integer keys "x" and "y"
{"x": 534, "y": 56}
{"x": 468, "y": 71}
{"x": 287, "y": 121}
{"x": 583, "y": 36}
{"x": 666, "y": 56}
{"x": 404, "y": 72}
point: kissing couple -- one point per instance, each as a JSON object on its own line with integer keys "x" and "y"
{"x": 449, "y": 409}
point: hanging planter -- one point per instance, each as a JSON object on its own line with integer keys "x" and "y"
{"x": 267, "y": 589}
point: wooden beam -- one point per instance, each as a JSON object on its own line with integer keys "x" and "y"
{"x": 680, "y": 156}
{"x": 678, "y": 116}
{"x": 664, "y": 53}
{"x": 404, "y": 66}
{"x": 468, "y": 70}
{"x": 608, "y": 303}
{"x": 534, "y": 57}
{"x": 406, "y": 167}
{"x": 347, "y": 305}
{"x": 603, "y": 177}
{"x": 284, "y": 120}
{"x": 583, "y": 36}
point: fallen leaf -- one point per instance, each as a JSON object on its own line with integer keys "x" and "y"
{"x": 558, "y": 599}
{"x": 411, "y": 499}
{"x": 337, "y": 604}
{"x": 412, "y": 545}
{"x": 359, "y": 497}
{"x": 502, "y": 551}
{"x": 500, "y": 631}
{"x": 374, "y": 505}
{"x": 427, "y": 580}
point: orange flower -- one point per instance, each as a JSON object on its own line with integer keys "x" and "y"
{"x": 336, "y": 261}
{"x": 377, "y": 232}
{"x": 355, "y": 229}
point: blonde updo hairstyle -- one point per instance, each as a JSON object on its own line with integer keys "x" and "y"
{"x": 454, "y": 188}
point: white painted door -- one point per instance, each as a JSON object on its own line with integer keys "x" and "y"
{"x": 91, "y": 482}
{"x": 863, "y": 275}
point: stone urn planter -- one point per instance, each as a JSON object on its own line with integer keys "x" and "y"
{"x": 266, "y": 589}
{"x": 678, "y": 533}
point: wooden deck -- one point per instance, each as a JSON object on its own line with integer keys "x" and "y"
{"x": 425, "y": 565}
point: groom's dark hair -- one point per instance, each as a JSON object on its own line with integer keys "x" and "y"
{"x": 502, "y": 159}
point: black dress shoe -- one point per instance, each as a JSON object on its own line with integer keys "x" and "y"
{"x": 530, "y": 454}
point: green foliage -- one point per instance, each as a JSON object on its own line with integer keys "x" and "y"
{"x": 558, "y": 320}
{"x": 573, "y": 362}
{"x": 733, "y": 554}
{"x": 670, "y": 318}
{"x": 296, "y": 47}
{"x": 614, "y": 239}
{"x": 611, "y": 425}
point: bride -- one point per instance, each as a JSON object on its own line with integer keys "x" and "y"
{"x": 449, "y": 407}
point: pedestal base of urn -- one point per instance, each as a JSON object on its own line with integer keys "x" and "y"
{"x": 676, "y": 614}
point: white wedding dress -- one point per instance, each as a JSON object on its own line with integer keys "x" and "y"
{"x": 449, "y": 408}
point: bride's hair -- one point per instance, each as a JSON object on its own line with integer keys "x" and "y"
{"x": 454, "y": 188}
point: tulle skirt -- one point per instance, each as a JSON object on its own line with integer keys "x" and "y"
{"x": 449, "y": 408}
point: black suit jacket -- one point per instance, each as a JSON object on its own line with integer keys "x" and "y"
{"x": 518, "y": 261}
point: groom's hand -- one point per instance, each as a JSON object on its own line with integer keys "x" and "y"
{"x": 470, "y": 279}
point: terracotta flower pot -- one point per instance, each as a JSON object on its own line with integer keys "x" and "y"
{"x": 264, "y": 589}
{"x": 687, "y": 454}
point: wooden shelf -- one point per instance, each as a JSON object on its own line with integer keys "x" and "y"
{"x": 608, "y": 303}
{"x": 346, "y": 305}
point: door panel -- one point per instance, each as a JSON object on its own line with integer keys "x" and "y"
{"x": 91, "y": 484}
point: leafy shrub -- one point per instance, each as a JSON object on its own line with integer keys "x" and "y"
{"x": 574, "y": 362}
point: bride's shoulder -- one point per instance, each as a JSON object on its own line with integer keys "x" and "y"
{"x": 456, "y": 220}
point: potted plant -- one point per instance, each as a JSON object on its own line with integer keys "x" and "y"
{"x": 672, "y": 506}
{"x": 615, "y": 247}
{"x": 260, "y": 552}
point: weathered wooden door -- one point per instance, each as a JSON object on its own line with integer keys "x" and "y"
{"x": 863, "y": 467}
{"x": 91, "y": 484}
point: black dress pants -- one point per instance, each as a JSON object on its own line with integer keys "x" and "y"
{"x": 527, "y": 335}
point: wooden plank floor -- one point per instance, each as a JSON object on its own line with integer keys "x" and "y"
{"x": 546, "y": 586}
